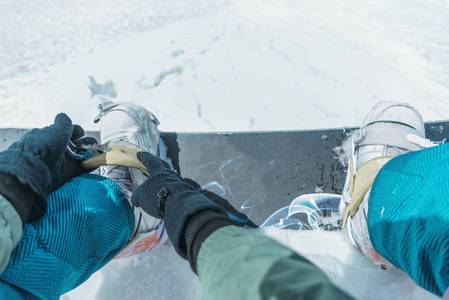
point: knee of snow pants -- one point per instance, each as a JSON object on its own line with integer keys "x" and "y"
{"x": 89, "y": 220}
{"x": 408, "y": 216}
{"x": 235, "y": 264}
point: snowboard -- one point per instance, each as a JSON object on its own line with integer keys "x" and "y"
{"x": 259, "y": 173}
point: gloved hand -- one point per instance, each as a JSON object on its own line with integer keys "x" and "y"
{"x": 38, "y": 164}
{"x": 165, "y": 195}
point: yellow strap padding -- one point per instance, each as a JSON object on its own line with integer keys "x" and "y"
{"x": 360, "y": 184}
{"x": 116, "y": 153}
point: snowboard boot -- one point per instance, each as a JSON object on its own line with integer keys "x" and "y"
{"x": 390, "y": 129}
{"x": 132, "y": 123}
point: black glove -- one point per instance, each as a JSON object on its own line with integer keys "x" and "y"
{"x": 165, "y": 195}
{"x": 38, "y": 164}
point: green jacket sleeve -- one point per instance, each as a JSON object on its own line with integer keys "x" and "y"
{"x": 10, "y": 231}
{"x": 234, "y": 264}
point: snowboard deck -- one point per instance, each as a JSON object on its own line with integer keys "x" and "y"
{"x": 258, "y": 172}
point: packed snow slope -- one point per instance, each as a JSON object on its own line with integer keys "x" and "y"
{"x": 164, "y": 275}
{"x": 227, "y": 65}
{"x": 220, "y": 65}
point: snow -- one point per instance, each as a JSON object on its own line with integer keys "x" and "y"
{"x": 227, "y": 65}
{"x": 224, "y": 65}
{"x": 164, "y": 275}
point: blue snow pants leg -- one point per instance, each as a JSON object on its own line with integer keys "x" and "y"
{"x": 408, "y": 216}
{"x": 88, "y": 221}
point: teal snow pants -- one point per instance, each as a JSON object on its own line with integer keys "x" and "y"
{"x": 408, "y": 216}
{"x": 88, "y": 221}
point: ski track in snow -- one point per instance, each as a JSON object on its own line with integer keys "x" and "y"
{"x": 222, "y": 66}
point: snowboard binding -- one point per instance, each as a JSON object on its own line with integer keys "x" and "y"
{"x": 115, "y": 153}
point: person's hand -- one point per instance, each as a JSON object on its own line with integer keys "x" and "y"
{"x": 38, "y": 164}
{"x": 165, "y": 195}
{"x": 160, "y": 188}
{"x": 68, "y": 167}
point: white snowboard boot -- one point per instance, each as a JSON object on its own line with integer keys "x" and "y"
{"x": 390, "y": 129}
{"x": 135, "y": 124}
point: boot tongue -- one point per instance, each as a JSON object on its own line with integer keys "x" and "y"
{"x": 396, "y": 112}
{"x": 104, "y": 108}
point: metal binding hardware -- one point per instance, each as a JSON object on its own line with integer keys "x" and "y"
{"x": 81, "y": 152}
